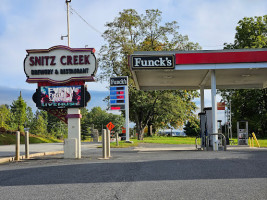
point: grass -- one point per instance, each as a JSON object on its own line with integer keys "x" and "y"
{"x": 7, "y": 139}
{"x": 171, "y": 140}
{"x": 156, "y": 140}
{"x": 262, "y": 142}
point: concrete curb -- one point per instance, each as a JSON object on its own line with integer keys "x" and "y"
{"x": 11, "y": 159}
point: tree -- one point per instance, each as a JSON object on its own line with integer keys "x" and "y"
{"x": 5, "y": 116}
{"x": 18, "y": 113}
{"x": 29, "y": 117}
{"x": 251, "y": 32}
{"x": 192, "y": 127}
{"x": 250, "y": 104}
{"x": 100, "y": 118}
{"x": 39, "y": 125}
{"x": 133, "y": 32}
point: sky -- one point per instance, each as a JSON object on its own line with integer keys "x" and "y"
{"x": 39, "y": 24}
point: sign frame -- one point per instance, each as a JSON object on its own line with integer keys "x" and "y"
{"x": 60, "y": 65}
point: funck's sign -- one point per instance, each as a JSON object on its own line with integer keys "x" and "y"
{"x": 152, "y": 62}
{"x": 60, "y": 64}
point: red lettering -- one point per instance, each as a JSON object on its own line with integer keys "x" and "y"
{"x": 37, "y": 61}
{"x": 69, "y": 60}
{"x": 75, "y": 60}
{"x": 86, "y": 59}
{"x": 46, "y": 60}
{"x": 53, "y": 58}
{"x": 31, "y": 61}
{"x": 81, "y": 60}
{"x": 61, "y": 60}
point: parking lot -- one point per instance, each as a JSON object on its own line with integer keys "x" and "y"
{"x": 149, "y": 171}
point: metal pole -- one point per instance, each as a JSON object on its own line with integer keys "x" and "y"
{"x": 127, "y": 113}
{"x": 68, "y": 22}
{"x": 202, "y": 98}
{"x": 27, "y": 151}
{"x": 104, "y": 143}
{"x": 117, "y": 139}
{"x": 108, "y": 143}
{"x": 17, "y": 156}
{"x": 230, "y": 116}
{"x": 214, "y": 110}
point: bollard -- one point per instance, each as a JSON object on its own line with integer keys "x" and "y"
{"x": 104, "y": 143}
{"x": 108, "y": 143}
{"x": 27, "y": 151}
{"x": 117, "y": 139}
{"x": 17, "y": 156}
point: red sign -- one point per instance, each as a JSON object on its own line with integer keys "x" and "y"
{"x": 221, "y": 106}
{"x": 110, "y": 126}
{"x": 123, "y": 130}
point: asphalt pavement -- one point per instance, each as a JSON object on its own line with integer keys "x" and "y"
{"x": 146, "y": 172}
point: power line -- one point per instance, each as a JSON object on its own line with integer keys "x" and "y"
{"x": 85, "y": 21}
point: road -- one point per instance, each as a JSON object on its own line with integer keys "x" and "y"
{"x": 131, "y": 173}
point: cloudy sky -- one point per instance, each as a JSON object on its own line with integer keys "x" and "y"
{"x": 38, "y": 24}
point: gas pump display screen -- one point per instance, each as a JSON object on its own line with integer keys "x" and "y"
{"x": 61, "y": 96}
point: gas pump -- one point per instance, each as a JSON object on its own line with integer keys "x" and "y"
{"x": 203, "y": 132}
{"x": 219, "y": 126}
{"x": 206, "y": 130}
{"x": 205, "y": 126}
{"x": 242, "y": 132}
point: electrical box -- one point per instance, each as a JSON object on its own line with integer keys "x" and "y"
{"x": 242, "y": 132}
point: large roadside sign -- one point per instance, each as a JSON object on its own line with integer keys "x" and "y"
{"x": 60, "y": 65}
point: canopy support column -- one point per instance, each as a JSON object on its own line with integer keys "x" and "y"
{"x": 202, "y": 103}
{"x": 214, "y": 110}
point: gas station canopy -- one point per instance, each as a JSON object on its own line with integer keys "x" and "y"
{"x": 190, "y": 70}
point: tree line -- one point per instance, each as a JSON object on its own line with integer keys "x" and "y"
{"x": 18, "y": 115}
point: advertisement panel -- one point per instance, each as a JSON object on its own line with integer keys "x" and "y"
{"x": 61, "y": 96}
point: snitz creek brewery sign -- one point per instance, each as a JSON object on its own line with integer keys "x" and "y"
{"x": 60, "y": 64}
{"x": 152, "y": 62}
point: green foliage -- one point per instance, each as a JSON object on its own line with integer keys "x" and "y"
{"x": 5, "y": 116}
{"x": 7, "y": 139}
{"x": 39, "y": 125}
{"x": 100, "y": 118}
{"x": 18, "y": 114}
{"x": 131, "y": 32}
{"x": 251, "y": 32}
{"x": 250, "y": 105}
{"x": 192, "y": 127}
{"x": 29, "y": 117}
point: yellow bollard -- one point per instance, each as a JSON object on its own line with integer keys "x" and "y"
{"x": 252, "y": 142}
{"x": 255, "y": 138}
{"x": 249, "y": 141}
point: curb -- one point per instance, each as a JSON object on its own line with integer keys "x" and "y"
{"x": 11, "y": 159}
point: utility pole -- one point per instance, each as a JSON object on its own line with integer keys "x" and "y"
{"x": 68, "y": 22}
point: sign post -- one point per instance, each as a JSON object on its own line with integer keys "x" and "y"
{"x": 61, "y": 73}
{"x": 119, "y": 98}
